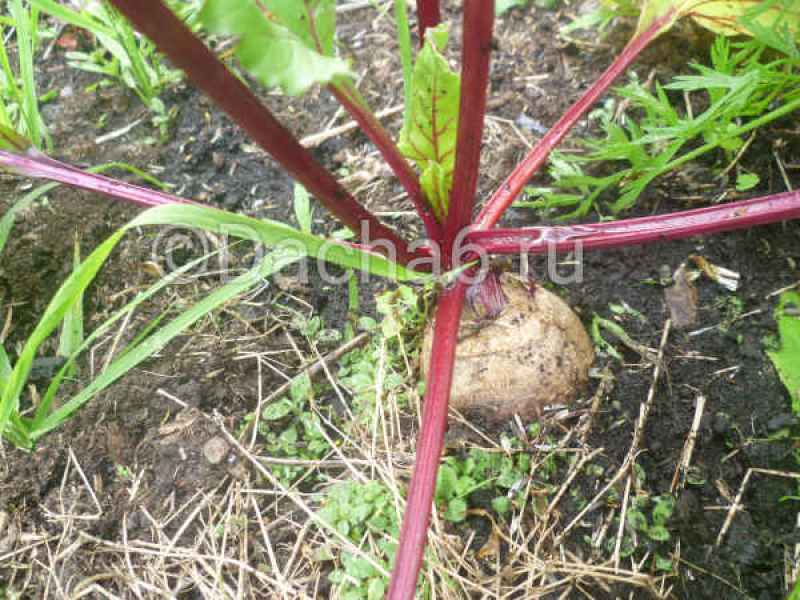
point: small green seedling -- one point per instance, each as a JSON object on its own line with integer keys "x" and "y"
{"x": 121, "y": 54}
{"x": 366, "y": 514}
{"x": 385, "y": 360}
{"x": 292, "y": 431}
{"x": 500, "y": 473}
{"x": 656, "y": 527}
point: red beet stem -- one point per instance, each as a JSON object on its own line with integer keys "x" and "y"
{"x": 475, "y": 56}
{"x": 428, "y": 15}
{"x": 643, "y": 230}
{"x": 430, "y": 442}
{"x": 35, "y": 164}
{"x": 208, "y": 73}
{"x": 379, "y": 136}
{"x": 512, "y": 186}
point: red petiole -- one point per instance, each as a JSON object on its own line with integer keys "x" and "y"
{"x": 643, "y": 230}
{"x": 522, "y": 173}
{"x": 154, "y": 19}
{"x": 475, "y": 55}
{"x": 429, "y": 15}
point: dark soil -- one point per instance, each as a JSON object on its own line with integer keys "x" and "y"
{"x": 134, "y": 428}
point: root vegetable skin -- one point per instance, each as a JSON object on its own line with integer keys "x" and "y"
{"x": 535, "y": 353}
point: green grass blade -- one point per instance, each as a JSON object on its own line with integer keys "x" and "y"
{"x": 406, "y": 57}
{"x": 7, "y": 221}
{"x": 302, "y": 208}
{"x": 73, "y": 17}
{"x": 273, "y": 233}
{"x": 240, "y": 285}
{"x": 30, "y": 98}
{"x": 5, "y": 368}
{"x": 55, "y": 383}
{"x": 8, "y": 80}
{"x": 66, "y": 296}
{"x": 291, "y": 245}
{"x": 71, "y": 336}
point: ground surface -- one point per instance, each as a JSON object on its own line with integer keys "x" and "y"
{"x": 124, "y": 498}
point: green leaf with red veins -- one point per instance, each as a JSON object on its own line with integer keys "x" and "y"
{"x": 667, "y": 12}
{"x": 429, "y": 137}
{"x": 726, "y": 17}
{"x": 288, "y": 44}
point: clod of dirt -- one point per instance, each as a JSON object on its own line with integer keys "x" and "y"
{"x": 535, "y": 353}
{"x": 215, "y": 450}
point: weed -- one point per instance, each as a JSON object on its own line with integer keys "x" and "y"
{"x": 784, "y": 352}
{"x": 645, "y": 134}
{"x": 124, "y": 472}
{"x": 388, "y": 353}
{"x": 646, "y": 530}
{"x": 656, "y": 526}
{"x": 731, "y": 307}
{"x": 122, "y": 55}
{"x": 502, "y": 475}
{"x": 301, "y": 435}
{"x": 19, "y": 98}
{"x": 366, "y": 514}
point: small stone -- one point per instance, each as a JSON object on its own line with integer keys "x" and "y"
{"x": 215, "y": 450}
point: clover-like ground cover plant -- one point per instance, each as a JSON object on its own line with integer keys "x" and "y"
{"x": 291, "y": 45}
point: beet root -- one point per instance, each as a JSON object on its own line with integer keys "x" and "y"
{"x": 534, "y": 353}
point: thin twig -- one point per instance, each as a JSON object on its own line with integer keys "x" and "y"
{"x": 638, "y": 433}
{"x": 679, "y": 479}
{"x": 737, "y": 502}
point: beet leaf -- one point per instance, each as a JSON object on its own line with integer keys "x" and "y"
{"x": 290, "y": 46}
{"x": 429, "y": 138}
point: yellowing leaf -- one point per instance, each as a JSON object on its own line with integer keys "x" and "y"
{"x": 436, "y": 180}
{"x": 726, "y": 17}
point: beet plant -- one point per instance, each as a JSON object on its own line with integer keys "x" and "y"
{"x": 290, "y": 45}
